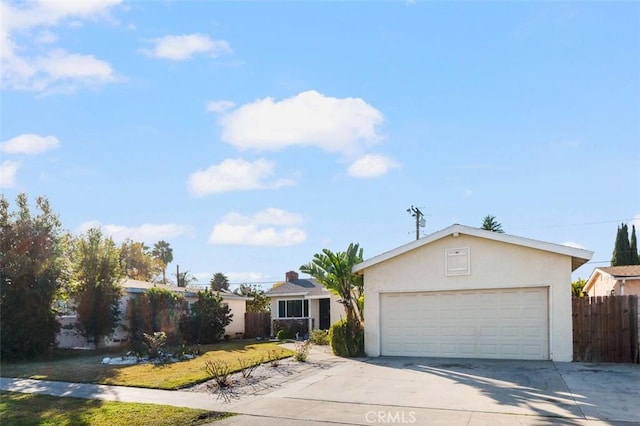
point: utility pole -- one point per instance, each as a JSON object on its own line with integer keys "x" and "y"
{"x": 420, "y": 221}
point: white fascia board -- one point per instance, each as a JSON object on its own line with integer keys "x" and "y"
{"x": 591, "y": 280}
{"x": 581, "y": 255}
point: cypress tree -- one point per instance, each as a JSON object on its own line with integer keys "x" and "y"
{"x": 622, "y": 249}
{"x": 616, "y": 258}
{"x": 634, "y": 247}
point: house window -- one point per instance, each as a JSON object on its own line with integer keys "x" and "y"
{"x": 457, "y": 261}
{"x": 293, "y": 308}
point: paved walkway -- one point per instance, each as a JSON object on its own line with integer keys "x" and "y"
{"x": 406, "y": 391}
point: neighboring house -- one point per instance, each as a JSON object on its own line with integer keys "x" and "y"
{"x": 70, "y": 338}
{"x": 303, "y": 300}
{"x": 469, "y": 293}
{"x": 613, "y": 280}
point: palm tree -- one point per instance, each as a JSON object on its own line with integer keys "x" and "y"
{"x": 164, "y": 254}
{"x": 219, "y": 282}
{"x": 333, "y": 271}
{"x": 491, "y": 224}
{"x": 184, "y": 278}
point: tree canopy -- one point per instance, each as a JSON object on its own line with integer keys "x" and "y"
{"x": 164, "y": 253}
{"x": 625, "y": 250}
{"x": 333, "y": 271}
{"x": 577, "y": 286}
{"x": 489, "y": 223}
{"x": 219, "y": 281}
{"x": 97, "y": 272}
{"x": 138, "y": 263}
{"x": 31, "y": 263}
{"x": 260, "y": 302}
{"x": 208, "y": 318}
{"x": 184, "y": 278}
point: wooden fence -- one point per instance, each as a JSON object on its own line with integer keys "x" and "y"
{"x": 605, "y": 329}
{"x": 257, "y": 324}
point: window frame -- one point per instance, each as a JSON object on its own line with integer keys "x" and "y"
{"x": 304, "y": 307}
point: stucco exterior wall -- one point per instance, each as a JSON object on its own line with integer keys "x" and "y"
{"x": 238, "y": 308}
{"x": 602, "y": 286}
{"x": 493, "y": 264}
{"x": 605, "y": 283}
{"x": 336, "y": 309}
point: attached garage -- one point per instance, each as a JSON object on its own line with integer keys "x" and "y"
{"x": 492, "y": 323}
{"x": 469, "y": 293}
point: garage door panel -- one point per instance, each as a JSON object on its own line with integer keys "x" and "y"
{"x": 494, "y": 323}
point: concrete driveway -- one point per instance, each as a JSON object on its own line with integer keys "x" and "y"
{"x": 421, "y": 391}
{"x": 453, "y": 391}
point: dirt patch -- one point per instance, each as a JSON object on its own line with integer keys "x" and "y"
{"x": 264, "y": 379}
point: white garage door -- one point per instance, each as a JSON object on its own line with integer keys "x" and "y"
{"x": 494, "y": 323}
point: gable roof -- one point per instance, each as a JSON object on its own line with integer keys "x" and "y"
{"x": 626, "y": 271}
{"x": 617, "y": 272}
{"x": 305, "y": 287}
{"x": 578, "y": 256}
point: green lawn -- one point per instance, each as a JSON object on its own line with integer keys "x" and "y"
{"x": 28, "y": 409}
{"x": 87, "y": 367}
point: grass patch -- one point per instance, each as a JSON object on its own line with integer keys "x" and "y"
{"x": 89, "y": 369}
{"x": 29, "y": 409}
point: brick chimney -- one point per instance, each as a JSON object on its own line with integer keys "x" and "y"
{"x": 290, "y": 276}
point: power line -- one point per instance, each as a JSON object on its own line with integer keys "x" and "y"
{"x": 420, "y": 220}
{"x": 588, "y": 223}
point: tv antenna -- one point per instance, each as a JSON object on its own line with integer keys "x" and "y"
{"x": 420, "y": 220}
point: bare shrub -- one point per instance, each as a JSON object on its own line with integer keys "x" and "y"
{"x": 248, "y": 366}
{"x": 219, "y": 371}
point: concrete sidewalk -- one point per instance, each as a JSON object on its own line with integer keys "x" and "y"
{"x": 418, "y": 391}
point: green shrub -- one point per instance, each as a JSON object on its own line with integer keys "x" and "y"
{"x": 347, "y": 339}
{"x": 292, "y": 326}
{"x": 283, "y": 334}
{"x": 319, "y": 337}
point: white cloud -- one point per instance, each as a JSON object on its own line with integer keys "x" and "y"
{"x": 219, "y": 106}
{"x": 182, "y": 47}
{"x": 235, "y": 175}
{"x": 269, "y": 216}
{"x": 344, "y": 125}
{"x": 61, "y": 65}
{"x": 8, "y": 171}
{"x": 572, "y": 244}
{"x": 26, "y": 68}
{"x": 29, "y": 143}
{"x": 144, "y": 233}
{"x": 270, "y": 227}
{"x": 372, "y": 165}
{"x": 48, "y": 13}
{"x": 245, "y": 277}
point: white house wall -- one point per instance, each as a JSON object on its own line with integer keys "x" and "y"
{"x": 336, "y": 309}
{"x": 493, "y": 264}
{"x": 238, "y": 309}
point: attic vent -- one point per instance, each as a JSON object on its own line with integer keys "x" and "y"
{"x": 457, "y": 261}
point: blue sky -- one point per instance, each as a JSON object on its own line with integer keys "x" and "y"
{"x": 252, "y": 135}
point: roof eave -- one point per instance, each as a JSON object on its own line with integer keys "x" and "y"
{"x": 578, "y": 256}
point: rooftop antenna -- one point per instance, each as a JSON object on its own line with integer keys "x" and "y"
{"x": 420, "y": 220}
